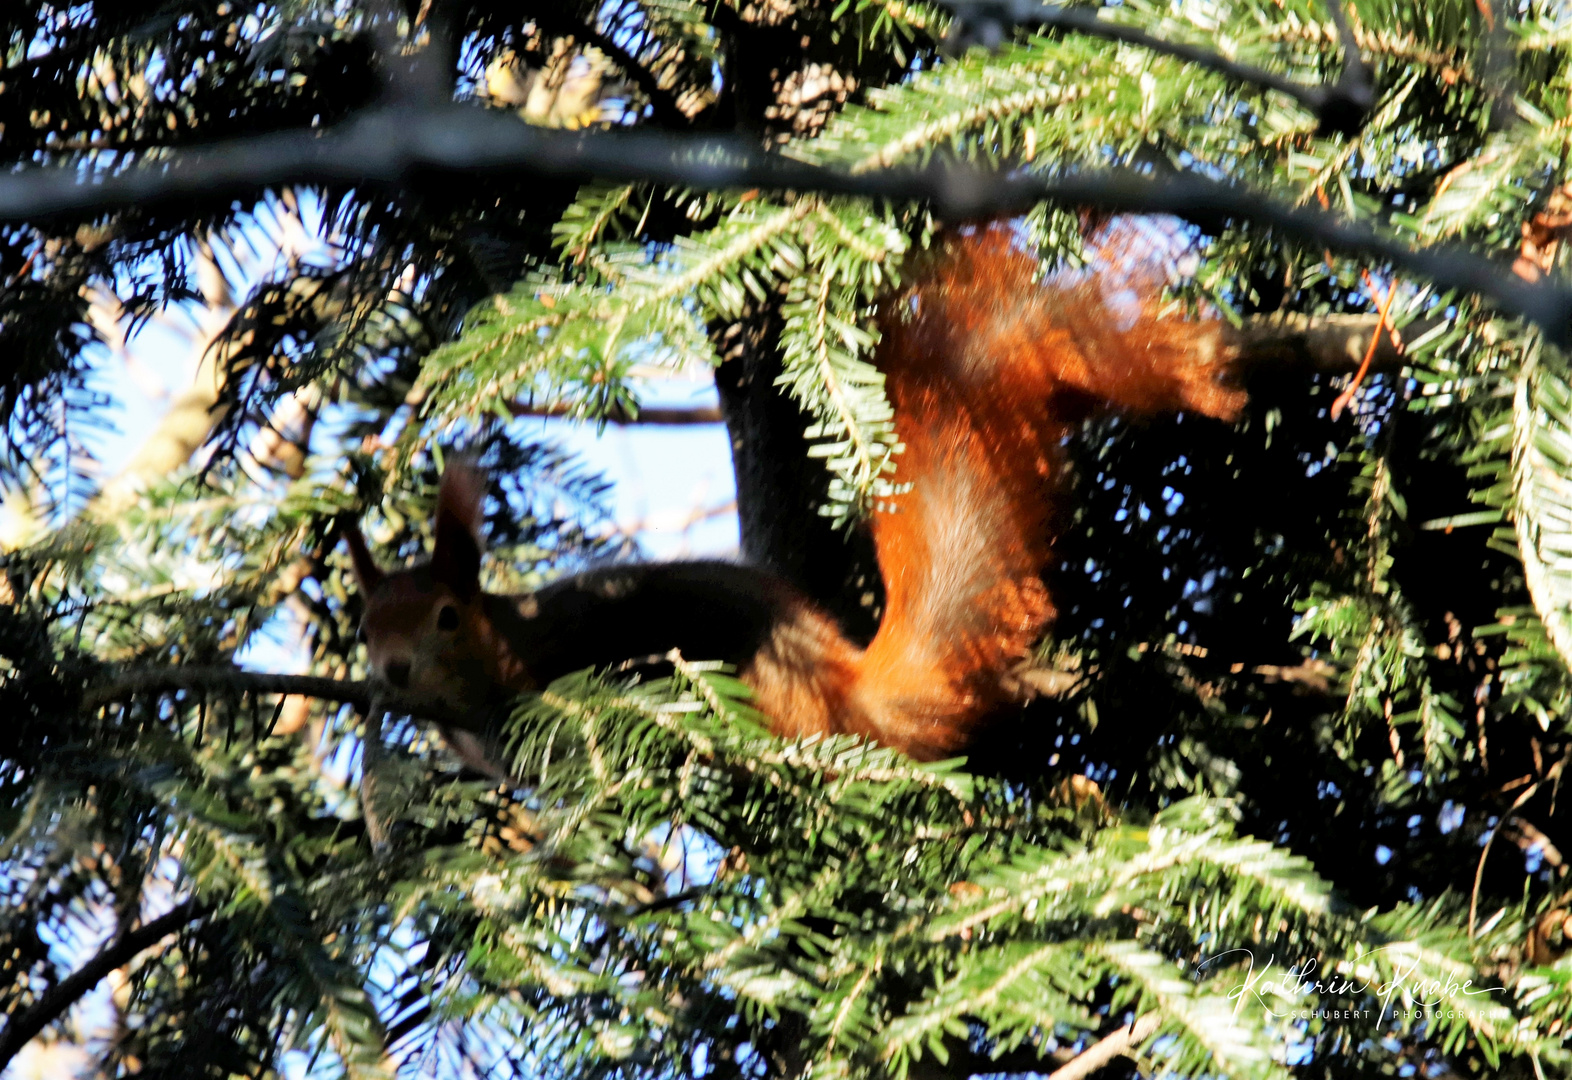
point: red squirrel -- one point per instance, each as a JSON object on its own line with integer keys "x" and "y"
{"x": 988, "y": 365}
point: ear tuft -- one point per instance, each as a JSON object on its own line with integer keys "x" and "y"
{"x": 368, "y": 575}
{"x": 460, "y": 497}
{"x": 455, "y": 561}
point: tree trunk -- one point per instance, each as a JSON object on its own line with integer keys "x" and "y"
{"x": 780, "y": 489}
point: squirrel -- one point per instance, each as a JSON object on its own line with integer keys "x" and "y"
{"x": 988, "y": 366}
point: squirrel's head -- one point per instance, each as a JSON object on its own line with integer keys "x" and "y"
{"x": 425, "y": 628}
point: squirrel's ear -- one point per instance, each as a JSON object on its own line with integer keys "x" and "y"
{"x": 368, "y": 575}
{"x": 455, "y": 560}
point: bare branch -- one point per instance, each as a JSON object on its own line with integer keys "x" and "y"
{"x": 234, "y": 682}
{"x": 200, "y": 409}
{"x": 703, "y": 414}
{"x": 1331, "y": 344}
{"x": 182, "y": 430}
{"x": 394, "y": 145}
{"x": 1107, "y": 1048}
{"x": 23, "y": 1026}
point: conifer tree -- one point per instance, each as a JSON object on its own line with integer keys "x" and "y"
{"x": 1306, "y": 703}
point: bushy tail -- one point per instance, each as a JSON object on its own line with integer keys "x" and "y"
{"x": 988, "y": 366}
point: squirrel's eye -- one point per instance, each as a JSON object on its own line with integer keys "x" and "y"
{"x": 447, "y": 618}
{"x": 360, "y": 634}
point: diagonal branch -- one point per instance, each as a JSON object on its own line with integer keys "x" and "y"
{"x": 21, "y": 1028}
{"x": 1103, "y": 1051}
{"x": 392, "y": 146}
{"x": 962, "y": 1061}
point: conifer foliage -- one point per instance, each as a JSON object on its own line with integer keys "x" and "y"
{"x": 1307, "y": 702}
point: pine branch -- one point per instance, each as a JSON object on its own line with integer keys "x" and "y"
{"x": 22, "y": 1027}
{"x": 391, "y": 145}
{"x": 1339, "y": 106}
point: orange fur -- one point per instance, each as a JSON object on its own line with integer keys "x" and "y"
{"x": 988, "y": 367}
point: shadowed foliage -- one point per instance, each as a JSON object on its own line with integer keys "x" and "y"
{"x": 1305, "y": 701}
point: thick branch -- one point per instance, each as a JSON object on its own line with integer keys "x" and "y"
{"x": 1339, "y": 106}
{"x": 1350, "y": 99}
{"x": 201, "y": 408}
{"x": 1331, "y": 344}
{"x": 23, "y": 1026}
{"x": 393, "y": 145}
{"x": 229, "y": 681}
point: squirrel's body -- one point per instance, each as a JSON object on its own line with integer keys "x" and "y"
{"x": 987, "y": 367}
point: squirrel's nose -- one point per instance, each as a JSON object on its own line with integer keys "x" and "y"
{"x": 398, "y": 675}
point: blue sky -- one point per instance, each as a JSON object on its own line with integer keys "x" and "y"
{"x": 660, "y": 474}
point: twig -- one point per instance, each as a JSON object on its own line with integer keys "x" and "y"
{"x": 395, "y": 145}
{"x": 1347, "y": 396}
{"x": 23, "y": 1026}
{"x": 697, "y": 514}
{"x": 672, "y": 900}
{"x": 1479, "y": 870}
